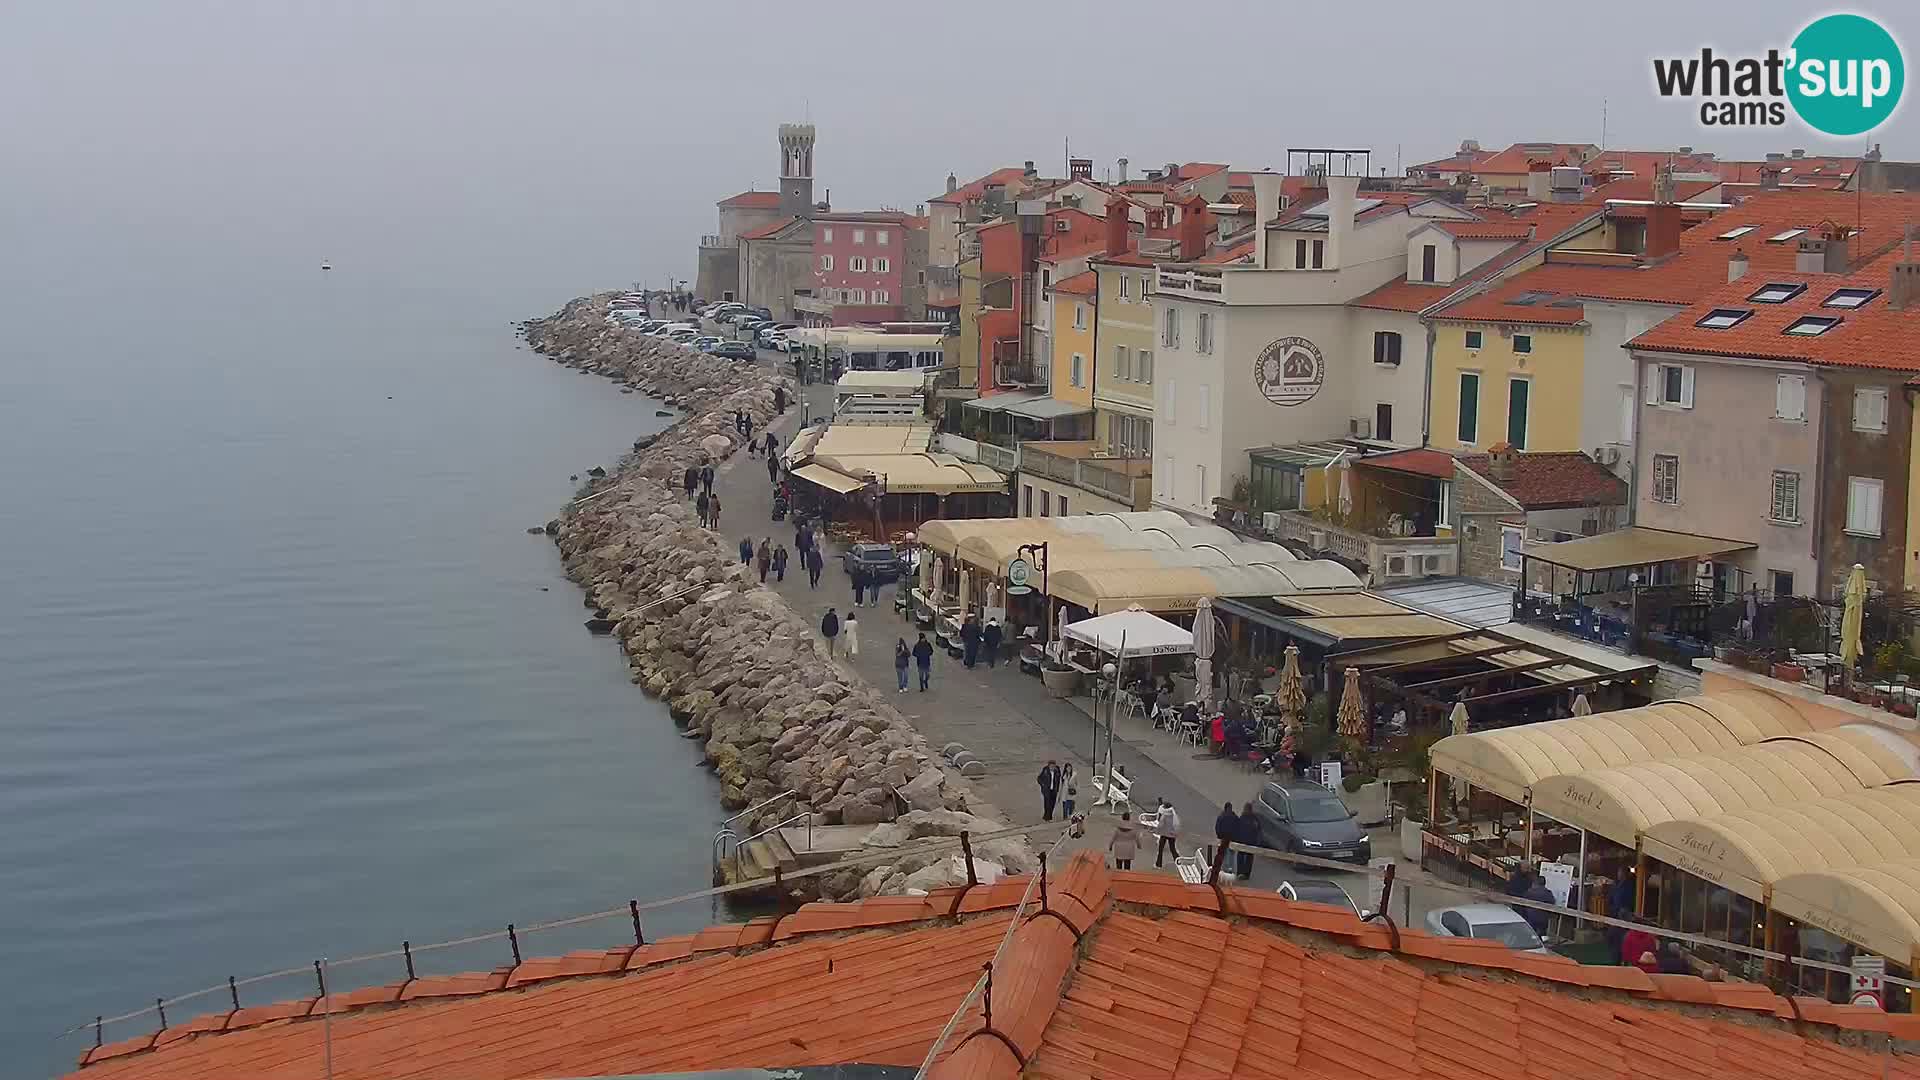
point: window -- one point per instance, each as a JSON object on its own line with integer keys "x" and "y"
{"x": 1666, "y": 479}
{"x": 1512, "y": 543}
{"x": 1723, "y": 318}
{"x": 1523, "y": 343}
{"x": 1849, "y": 298}
{"x": 1026, "y": 495}
{"x": 1518, "y": 393}
{"x": 1063, "y": 506}
{"x": 1122, "y": 368}
{"x": 1143, "y": 365}
{"x": 880, "y": 296}
{"x": 1383, "y": 422}
{"x": 1782, "y": 583}
{"x": 1785, "y": 506}
{"x": 1203, "y": 407}
{"x": 1777, "y": 292}
{"x": 1386, "y": 347}
{"x": 1783, "y": 237}
{"x": 880, "y": 237}
{"x": 1199, "y": 483}
{"x": 826, "y": 262}
{"x": 1170, "y": 329}
{"x": 1046, "y": 505}
{"x": 1143, "y": 287}
{"x": 859, "y": 296}
{"x": 1079, "y": 316}
{"x": 1046, "y": 279}
{"x": 857, "y": 264}
{"x": 1863, "y": 505}
{"x": 1300, "y": 254}
{"x": 1427, "y": 254}
{"x": 1870, "y": 409}
{"x": 1123, "y": 286}
{"x": 881, "y": 266}
{"x": 1790, "y": 397}
{"x": 1672, "y": 384}
{"x": 1811, "y": 325}
{"x": 1079, "y": 370}
{"x": 826, "y": 233}
{"x": 1319, "y": 253}
{"x": 859, "y": 236}
{"x": 1203, "y": 338}
{"x": 1469, "y": 407}
{"x": 1474, "y": 339}
{"x": 1735, "y": 234}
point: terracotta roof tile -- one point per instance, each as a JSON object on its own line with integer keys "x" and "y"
{"x": 974, "y": 189}
{"x": 1872, "y": 335}
{"x": 758, "y": 200}
{"x": 1085, "y": 283}
{"x": 1553, "y": 480}
{"x": 765, "y": 231}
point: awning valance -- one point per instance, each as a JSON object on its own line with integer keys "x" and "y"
{"x": 1133, "y": 632}
{"x": 1876, "y": 907}
{"x": 1751, "y": 850}
{"x": 1179, "y": 588}
{"x": 918, "y": 474}
{"x": 1047, "y": 408}
{"x": 1635, "y": 545}
{"x": 837, "y": 482}
{"x": 1002, "y": 402}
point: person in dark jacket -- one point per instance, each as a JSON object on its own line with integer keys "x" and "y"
{"x": 1225, "y": 828}
{"x": 859, "y": 585}
{"x": 763, "y": 559}
{"x": 902, "y": 660}
{"x": 830, "y": 628}
{"x": 771, "y": 443}
{"x": 970, "y": 640}
{"x": 990, "y": 637}
{"x": 1049, "y": 788}
{"x": 706, "y": 477}
{"x": 1249, "y": 833}
{"x": 1539, "y": 894}
{"x": 923, "y": 657}
{"x": 773, "y": 467}
{"x": 779, "y": 399}
{"x": 780, "y": 563}
{"x": 701, "y": 505}
{"x": 746, "y": 550}
{"x": 814, "y": 565}
{"x": 713, "y": 512}
{"x": 692, "y": 480}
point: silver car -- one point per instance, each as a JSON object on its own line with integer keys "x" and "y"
{"x": 1487, "y": 922}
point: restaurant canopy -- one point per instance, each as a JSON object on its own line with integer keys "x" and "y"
{"x": 1750, "y": 851}
{"x": 1333, "y": 618}
{"x": 1876, "y": 907}
{"x": 1510, "y": 761}
{"x": 945, "y": 537}
{"x": 1633, "y": 546}
{"x": 1132, "y": 633}
{"x": 1179, "y": 588}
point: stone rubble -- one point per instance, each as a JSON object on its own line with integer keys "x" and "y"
{"x": 737, "y": 667}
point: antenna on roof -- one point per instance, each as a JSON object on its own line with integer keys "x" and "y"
{"x": 1603, "y": 123}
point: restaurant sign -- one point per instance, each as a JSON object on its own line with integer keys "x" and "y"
{"x": 1019, "y": 573}
{"x": 1290, "y": 371}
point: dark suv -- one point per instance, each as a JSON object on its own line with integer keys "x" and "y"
{"x": 1307, "y": 819}
{"x": 880, "y": 561}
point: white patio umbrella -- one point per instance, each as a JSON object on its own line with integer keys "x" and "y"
{"x": 1581, "y": 706}
{"x": 1203, "y": 651}
{"x": 1459, "y": 722}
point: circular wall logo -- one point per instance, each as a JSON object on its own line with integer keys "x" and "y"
{"x": 1290, "y": 371}
{"x": 1847, "y": 75}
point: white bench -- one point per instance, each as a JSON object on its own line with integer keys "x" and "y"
{"x": 1113, "y": 792}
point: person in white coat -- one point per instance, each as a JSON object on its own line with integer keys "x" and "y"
{"x": 850, "y": 633}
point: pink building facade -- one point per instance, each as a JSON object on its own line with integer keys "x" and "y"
{"x": 860, "y": 260}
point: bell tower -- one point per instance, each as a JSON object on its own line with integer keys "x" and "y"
{"x": 796, "y": 170}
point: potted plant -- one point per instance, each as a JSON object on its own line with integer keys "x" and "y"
{"x": 1786, "y": 672}
{"x": 1060, "y": 680}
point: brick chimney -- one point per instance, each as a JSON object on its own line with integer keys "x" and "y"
{"x": 1737, "y": 265}
{"x": 1903, "y": 290}
{"x": 1539, "y": 180}
{"x": 1769, "y": 178}
{"x": 1500, "y": 461}
{"x": 1195, "y": 223}
{"x": 1663, "y": 217}
{"x": 1080, "y": 169}
{"x": 1119, "y": 236}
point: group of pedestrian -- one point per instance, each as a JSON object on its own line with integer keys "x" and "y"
{"x": 866, "y": 587}
{"x": 708, "y": 507}
{"x": 808, "y": 545}
{"x": 706, "y": 503}
{"x": 772, "y": 445}
{"x": 920, "y": 655}
{"x": 743, "y": 424}
{"x": 768, "y": 559}
{"x": 975, "y": 638}
{"x": 1236, "y": 828}
{"x": 833, "y": 628}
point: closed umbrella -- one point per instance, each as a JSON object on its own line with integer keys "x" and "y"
{"x": 1581, "y": 707}
{"x": 1203, "y": 651}
{"x": 1291, "y": 695}
{"x": 1856, "y": 603}
{"x": 1353, "y": 711}
{"x": 1459, "y": 722}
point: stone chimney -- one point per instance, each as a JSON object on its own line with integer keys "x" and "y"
{"x": 1500, "y": 461}
{"x": 1266, "y": 207}
{"x": 953, "y": 183}
{"x": 1811, "y": 256}
{"x": 1122, "y": 165}
{"x": 1903, "y": 289}
{"x": 1119, "y": 236}
{"x": 1769, "y": 178}
{"x": 1539, "y": 180}
{"x": 1195, "y": 223}
{"x": 1341, "y": 194}
{"x": 1663, "y": 217}
{"x": 1080, "y": 169}
{"x": 1737, "y": 265}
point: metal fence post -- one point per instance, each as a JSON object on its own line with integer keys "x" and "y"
{"x": 513, "y": 939}
{"x": 1043, "y": 882}
{"x": 966, "y": 847}
{"x": 233, "y": 991}
{"x": 639, "y": 936}
{"x": 987, "y": 999}
{"x": 320, "y": 978}
{"x": 99, "y": 1024}
{"x": 406, "y": 950}
{"x": 160, "y": 1006}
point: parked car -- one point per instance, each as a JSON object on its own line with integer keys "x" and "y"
{"x": 685, "y": 335}
{"x": 878, "y": 560}
{"x": 1318, "y": 891}
{"x": 733, "y": 350}
{"x": 765, "y": 333}
{"x": 1488, "y": 922}
{"x": 1307, "y": 819}
{"x": 706, "y": 342}
{"x": 748, "y": 324}
{"x": 762, "y": 312}
{"x": 780, "y": 343}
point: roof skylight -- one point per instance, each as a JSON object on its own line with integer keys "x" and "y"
{"x": 1724, "y": 318}
{"x": 1777, "y": 292}
{"x": 1735, "y": 234}
{"x": 1811, "y": 325}
{"x": 1850, "y": 298}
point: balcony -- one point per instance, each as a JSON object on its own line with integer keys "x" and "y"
{"x": 1388, "y": 558}
{"x": 1125, "y": 480}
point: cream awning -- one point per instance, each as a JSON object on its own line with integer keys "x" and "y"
{"x": 1635, "y": 545}
{"x": 837, "y": 482}
{"x": 1509, "y": 761}
{"x": 1750, "y": 850}
{"x": 1876, "y": 907}
{"x": 1179, "y": 588}
{"x": 840, "y": 440}
{"x": 904, "y": 383}
{"x": 1624, "y": 802}
{"x": 917, "y": 474}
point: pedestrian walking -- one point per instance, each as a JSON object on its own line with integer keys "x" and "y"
{"x": 747, "y": 430}
{"x": 780, "y": 563}
{"x": 830, "y": 628}
{"x": 740, "y": 421}
{"x": 1068, "y": 795}
{"x": 763, "y": 559}
{"x": 902, "y": 659}
{"x": 691, "y": 479}
{"x": 713, "y": 512}
{"x": 1225, "y": 828}
{"x": 970, "y": 641}
{"x": 1168, "y": 826}
{"x": 923, "y": 657}
{"x": 800, "y": 535}
{"x": 773, "y": 467}
{"x": 706, "y": 477}
{"x": 1125, "y": 843}
{"x": 850, "y": 633}
{"x": 814, "y": 565}
{"x": 772, "y": 442}
{"x": 746, "y": 550}
{"x": 859, "y": 585}
{"x": 701, "y": 505}
{"x": 990, "y": 638}
{"x": 779, "y": 399}
{"x": 1249, "y": 835}
{"x": 1049, "y": 780}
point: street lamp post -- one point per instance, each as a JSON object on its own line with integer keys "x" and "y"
{"x": 1040, "y": 549}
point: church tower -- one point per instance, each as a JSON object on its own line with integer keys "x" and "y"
{"x": 796, "y": 170}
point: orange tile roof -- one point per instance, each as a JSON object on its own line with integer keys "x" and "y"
{"x": 1792, "y": 170}
{"x": 1870, "y": 336}
{"x": 765, "y": 231}
{"x": 759, "y": 200}
{"x": 1545, "y": 222}
{"x": 1487, "y": 230}
{"x": 1542, "y": 480}
{"x": 1231, "y": 254}
{"x": 1127, "y": 974}
{"x": 1515, "y": 159}
{"x": 973, "y": 190}
{"x": 1084, "y": 283}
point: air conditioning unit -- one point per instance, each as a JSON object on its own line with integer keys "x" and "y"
{"x": 1430, "y": 564}
{"x": 1396, "y": 566}
{"x": 1360, "y": 427}
{"x": 1607, "y": 455}
{"x": 1317, "y": 540}
{"x": 1270, "y": 521}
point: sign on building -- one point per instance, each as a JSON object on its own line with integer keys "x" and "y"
{"x": 1019, "y": 572}
{"x": 1290, "y": 371}
{"x": 1869, "y": 981}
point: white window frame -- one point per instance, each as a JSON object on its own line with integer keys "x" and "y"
{"x": 1523, "y": 339}
{"x": 1170, "y": 328}
{"x": 1079, "y": 316}
{"x": 882, "y": 265}
{"x": 1122, "y": 366}
{"x": 859, "y": 236}
{"x": 1203, "y": 332}
{"x": 1657, "y": 387}
{"x": 856, "y": 265}
{"x": 880, "y": 296}
{"x": 1079, "y": 370}
{"x": 1518, "y": 549}
{"x": 880, "y": 237}
{"x": 826, "y": 234}
{"x": 826, "y": 263}
{"x": 1865, "y": 506}
{"x": 1870, "y": 409}
{"x": 1200, "y": 485}
{"x": 1790, "y": 398}
{"x": 1783, "y": 502}
{"x": 1145, "y": 285}
{"x": 1666, "y": 471}
{"x": 1143, "y": 365}
{"x": 1173, "y": 402}
{"x": 1124, "y": 291}
{"x": 1062, "y": 512}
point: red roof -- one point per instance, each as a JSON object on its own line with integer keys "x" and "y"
{"x": 1872, "y": 335}
{"x": 757, "y": 200}
{"x": 1403, "y": 295}
{"x": 1487, "y": 230}
{"x": 1084, "y": 283}
{"x": 968, "y": 192}
{"x": 1128, "y": 974}
{"x": 1551, "y": 481}
{"x": 1226, "y": 255}
{"x": 1792, "y": 170}
{"x": 1419, "y": 462}
{"x": 1515, "y": 159}
{"x": 1130, "y": 258}
{"x": 765, "y": 231}
{"x": 1414, "y": 296}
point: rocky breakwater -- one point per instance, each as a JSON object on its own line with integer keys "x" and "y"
{"x": 738, "y": 668}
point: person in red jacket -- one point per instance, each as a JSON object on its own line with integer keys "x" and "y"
{"x": 1641, "y": 950}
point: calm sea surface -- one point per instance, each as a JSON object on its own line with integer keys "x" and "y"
{"x": 281, "y": 674}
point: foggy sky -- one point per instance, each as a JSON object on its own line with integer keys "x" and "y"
{"x": 332, "y": 120}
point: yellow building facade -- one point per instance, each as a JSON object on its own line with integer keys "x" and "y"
{"x": 1123, "y": 360}
{"x": 1075, "y": 317}
{"x": 1506, "y": 382}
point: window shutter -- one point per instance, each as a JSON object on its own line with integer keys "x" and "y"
{"x": 1686, "y": 387}
{"x": 1791, "y": 395}
{"x": 1654, "y": 379}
